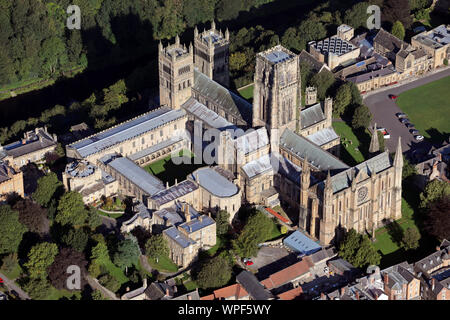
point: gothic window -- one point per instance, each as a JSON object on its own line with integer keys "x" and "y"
{"x": 161, "y": 133}
{"x": 166, "y": 69}
{"x": 143, "y": 140}
{"x": 183, "y": 70}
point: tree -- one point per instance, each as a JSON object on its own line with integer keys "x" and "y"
{"x": 311, "y": 29}
{"x": 228, "y": 9}
{"x": 408, "y": 169}
{"x": 292, "y": 41}
{"x": 109, "y": 282}
{"x": 93, "y": 220}
{"x": 71, "y": 209}
{"x": 322, "y": 81}
{"x": 437, "y": 221}
{"x": 397, "y": 10}
{"x": 222, "y": 222}
{"x": 32, "y": 215}
{"x": 76, "y": 238}
{"x": 214, "y": 273}
{"x": 9, "y": 263}
{"x": 433, "y": 191}
{"x": 37, "y": 288}
{"x": 237, "y": 61}
{"x": 398, "y": 30}
{"x": 256, "y": 230}
{"x": 342, "y": 100}
{"x": 411, "y": 239}
{"x": 361, "y": 117}
{"x": 57, "y": 272}
{"x": 358, "y": 250}
{"x": 128, "y": 253}
{"x": 47, "y": 188}
{"x": 357, "y": 15}
{"x": 40, "y": 257}
{"x": 157, "y": 247}
{"x": 11, "y": 230}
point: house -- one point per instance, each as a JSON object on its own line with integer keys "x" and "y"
{"x": 254, "y": 288}
{"x": 11, "y": 180}
{"x": 343, "y": 268}
{"x": 233, "y": 292}
{"x": 400, "y": 283}
{"x": 436, "y": 44}
{"x": 289, "y": 277}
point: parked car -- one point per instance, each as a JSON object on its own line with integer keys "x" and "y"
{"x": 1, "y": 281}
{"x": 418, "y": 138}
{"x": 414, "y": 132}
{"x": 401, "y": 115}
{"x": 385, "y": 133}
{"x": 393, "y": 96}
{"x": 249, "y": 263}
{"x": 409, "y": 125}
{"x": 404, "y": 120}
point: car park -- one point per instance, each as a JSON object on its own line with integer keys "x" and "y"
{"x": 404, "y": 120}
{"x": 414, "y": 131}
{"x": 418, "y": 138}
{"x": 401, "y": 115}
{"x": 385, "y": 133}
{"x": 409, "y": 125}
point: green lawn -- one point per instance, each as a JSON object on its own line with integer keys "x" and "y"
{"x": 348, "y": 153}
{"x": 55, "y": 294}
{"x": 247, "y": 93}
{"x": 164, "y": 264}
{"x": 110, "y": 215}
{"x": 428, "y": 107}
{"x": 167, "y": 171}
{"x": 15, "y": 273}
{"x": 190, "y": 285}
{"x": 220, "y": 243}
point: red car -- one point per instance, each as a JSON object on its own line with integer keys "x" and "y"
{"x": 393, "y": 96}
{"x": 1, "y": 281}
{"x": 249, "y": 263}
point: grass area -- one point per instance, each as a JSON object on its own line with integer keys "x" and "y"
{"x": 15, "y": 273}
{"x": 190, "y": 285}
{"x": 110, "y": 215}
{"x": 167, "y": 171}
{"x": 220, "y": 243}
{"x": 55, "y": 294}
{"x": 247, "y": 93}
{"x": 427, "y": 107}
{"x": 164, "y": 264}
{"x": 349, "y": 154}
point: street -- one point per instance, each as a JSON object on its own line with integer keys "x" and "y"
{"x": 13, "y": 287}
{"x": 384, "y": 110}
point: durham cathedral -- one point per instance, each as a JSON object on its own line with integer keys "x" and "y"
{"x": 291, "y": 157}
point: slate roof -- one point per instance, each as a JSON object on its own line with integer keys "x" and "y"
{"x": 4, "y": 169}
{"x": 207, "y": 115}
{"x": 157, "y": 291}
{"x": 148, "y": 151}
{"x": 372, "y": 74}
{"x": 291, "y": 294}
{"x": 389, "y": 41}
{"x": 322, "y": 255}
{"x": 126, "y": 131}
{"x": 252, "y": 141}
{"x": 343, "y": 180}
{"x": 230, "y": 101}
{"x": 215, "y": 183}
{"x": 323, "y": 136}
{"x": 302, "y": 147}
{"x": 253, "y": 286}
{"x": 174, "y": 192}
{"x": 258, "y": 166}
{"x": 177, "y": 236}
{"x": 312, "y": 115}
{"x": 138, "y": 176}
{"x": 197, "y": 224}
{"x": 18, "y": 149}
{"x": 193, "y": 295}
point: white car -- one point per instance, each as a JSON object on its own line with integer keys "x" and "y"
{"x": 418, "y": 138}
{"x": 385, "y": 133}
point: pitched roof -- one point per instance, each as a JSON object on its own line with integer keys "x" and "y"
{"x": 291, "y": 294}
{"x": 230, "y": 101}
{"x": 252, "y": 141}
{"x": 193, "y": 295}
{"x": 312, "y": 115}
{"x": 40, "y": 141}
{"x": 323, "y": 136}
{"x": 258, "y": 166}
{"x": 389, "y": 41}
{"x": 214, "y": 182}
{"x": 302, "y": 147}
{"x": 235, "y": 290}
{"x": 207, "y": 115}
{"x": 286, "y": 275}
{"x": 5, "y": 171}
{"x": 253, "y": 286}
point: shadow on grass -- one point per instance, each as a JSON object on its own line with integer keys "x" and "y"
{"x": 395, "y": 232}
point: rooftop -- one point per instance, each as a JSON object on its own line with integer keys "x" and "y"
{"x": 207, "y": 115}
{"x": 178, "y": 237}
{"x": 286, "y": 275}
{"x": 215, "y": 183}
{"x": 261, "y": 165}
{"x": 126, "y": 131}
{"x": 197, "y": 224}
{"x": 299, "y": 242}
{"x": 141, "y": 178}
{"x": 33, "y": 141}
{"x": 252, "y": 140}
{"x": 334, "y": 45}
{"x": 436, "y": 38}
{"x": 312, "y": 115}
{"x": 253, "y": 286}
{"x": 323, "y": 136}
{"x": 174, "y": 192}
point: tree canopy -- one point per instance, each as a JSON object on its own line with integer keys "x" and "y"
{"x": 437, "y": 221}
{"x": 57, "y": 272}
{"x": 47, "y": 187}
{"x": 398, "y": 30}
{"x": 32, "y": 215}
{"x": 71, "y": 209}
{"x": 156, "y": 247}
{"x": 358, "y": 250}
{"x": 128, "y": 253}
{"x": 222, "y": 222}
{"x": 11, "y": 230}
{"x": 214, "y": 273}
{"x": 433, "y": 191}
{"x": 361, "y": 117}
{"x": 40, "y": 257}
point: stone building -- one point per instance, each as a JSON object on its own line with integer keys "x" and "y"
{"x": 310, "y": 96}
{"x": 10, "y": 181}
{"x": 211, "y": 54}
{"x": 436, "y": 43}
{"x": 400, "y": 282}
{"x": 32, "y": 148}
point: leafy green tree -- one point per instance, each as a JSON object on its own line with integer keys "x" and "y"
{"x": 76, "y": 238}
{"x": 237, "y": 61}
{"x": 437, "y": 221}
{"x": 222, "y": 222}
{"x": 47, "y": 187}
{"x": 71, "y": 209}
{"x": 9, "y": 263}
{"x": 292, "y": 41}
{"x": 408, "y": 169}
{"x": 109, "y": 282}
{"x": 357, "y": 15}
{"x": 311, "y": 29}
{"x": 214, "y": 273}
{"x": 97, "y": 295}
{"x": 322, "y": 81}
{"x": 93, "y": 220}
{"x": 397, "y": 10}
{"x": 37, "y": 288}
{"x": 361, "y": 117}
{"x": 342, "y": 100}
{"x": 128, "y": 253}
{"x": 256, "y": 230}
{"x": 40, "y": 257}
{"x": 433, "y": 191}
{"x": 398, "y": 30}
{"x": 358, "y": 250}
{"x": 11, "y": 230}
{"x": 411, "y": 239}
{"x": 157, "y": 247}
{"x": 228, "y": 9}
{"x": 100, "y": 252}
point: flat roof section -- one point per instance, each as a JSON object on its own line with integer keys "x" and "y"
{"x": 215, "y": 183}
{"x": 277, "y": 56}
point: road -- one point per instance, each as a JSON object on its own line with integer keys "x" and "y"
{"x": 12, "y": 286}
{"x": 384, "y": 110}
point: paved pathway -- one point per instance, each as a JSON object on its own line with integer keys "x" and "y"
{"x": 11, "y": 285}
{"x": 384, "y": 110}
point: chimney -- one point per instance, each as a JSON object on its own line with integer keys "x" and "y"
{"x": 200, "y": 218}
{"x": 167, "y": 292}
{"x": 322, "y": 296}
{"x": 209, "y": 214}
{"x": 433, "y": 283}
{"x": 342, "y": 291}
{"x": 167, "y": 185}
{"x": 438, "y": 248}
{"x": 187, "y": 215}
{"x": 376, "y": 296}
{"x": 176, "y": 182}
{"x": 189, "y": 297}
{"x": 357, "y": 295}
{"x": 386, "y": 278}
{"x": 145, "y": 283}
